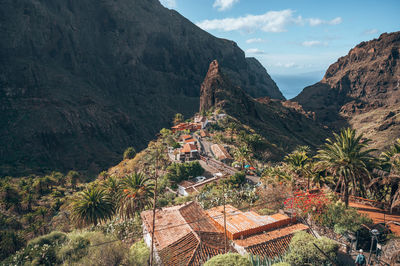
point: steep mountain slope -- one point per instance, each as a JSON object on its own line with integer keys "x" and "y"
{"x": 361, "y": 89}
{"x": 80, "y": 80}
{"x": 283, "y": 123}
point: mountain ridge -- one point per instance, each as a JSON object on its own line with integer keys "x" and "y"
{"x": 82, "y": 80}
{"x": 283, "y": 123}
{"x": 361, "y": 90}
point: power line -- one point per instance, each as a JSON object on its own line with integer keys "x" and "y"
{"x": 214, "y": 217}
{"x": 201, "y": 219}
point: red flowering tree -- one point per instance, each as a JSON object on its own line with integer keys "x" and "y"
{"x": 304, "y": 203}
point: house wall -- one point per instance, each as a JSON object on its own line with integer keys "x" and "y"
{"x": 241, "y": 250}
{"x": 182, "y": 191}
{"x": 147, "y": 240}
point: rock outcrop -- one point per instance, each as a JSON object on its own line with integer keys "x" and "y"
{"x": 81, "y": 80}
{"x": 362, "y": 89}
{"x": 283, "y": 123}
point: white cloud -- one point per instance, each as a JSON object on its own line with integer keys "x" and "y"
{"x": 287, "y": 65}
{"x": 371, "y": 31}
{"x": 272, "y": 21}
{"x": 254, "y": 51}
{"x": 168, "y": 3}
{"x": 222, "y": 5}
{"x": 311, "y": 43}
{"x": 255, "y": 40}
{"x": 318, "y": 21}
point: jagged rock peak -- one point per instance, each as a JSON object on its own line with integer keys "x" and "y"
{"x": 214, "y": 69}
{"x": 211, "y": 83}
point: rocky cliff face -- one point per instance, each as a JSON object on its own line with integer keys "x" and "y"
{"x": 361, "y": 90}
{"x": 283, "y": 123}
{"x": 80, "y": 80}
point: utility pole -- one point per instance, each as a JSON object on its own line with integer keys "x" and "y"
{"x": 374, "y": 236}
{"x": 223, "y": 195}
{"x": 154, "y": 207}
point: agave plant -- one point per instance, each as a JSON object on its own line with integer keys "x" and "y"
{"x": 257, "y": 260}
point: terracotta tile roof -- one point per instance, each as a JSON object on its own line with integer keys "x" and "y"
{"x": 188, "y": 148}
{"x": 204, "y": 133}
{"x": 197, "y": 218}
{"x": 270, "y": 235}
{"x": 185, "y": 234}
{"x": 203, "y": 253}
{"x": 185, "y": 137}
{"x": 165, "y": 218}
{"x": 271, "y": 249}
{"x": 181, "y": 251}
{"x": 220, "y": 152}
{"x": 240, "y": 223}
{"x": 190, "y": 140}
{"x": 272, "y": 243}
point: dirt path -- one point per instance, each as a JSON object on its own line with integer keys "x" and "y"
{"x": 379, "y": 216}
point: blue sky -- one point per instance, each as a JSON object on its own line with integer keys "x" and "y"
{"x": 295, "y": 40}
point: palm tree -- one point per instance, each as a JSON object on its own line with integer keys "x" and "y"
{"x": 242, "y": 155}
{"x": 137, "y": 194}
{"x": 346, "y": 158}
{"x": 112, "y": 186}
{"x": 390, "y": 175}
{"x": 178, "y": 118}
{"x": 73, "y": 177}
{"x": 300, "y": 164}
{"x": 92, "y": 206}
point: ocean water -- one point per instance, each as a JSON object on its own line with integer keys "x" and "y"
{"x": 292, "y": 85}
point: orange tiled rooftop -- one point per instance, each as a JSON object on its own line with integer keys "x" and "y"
{"x": 239, "y": 224}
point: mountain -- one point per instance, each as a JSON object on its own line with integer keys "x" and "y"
{"x": 362, "y": 89}
{"x": 283, "y": 123}
{"x": 81, "y": 80}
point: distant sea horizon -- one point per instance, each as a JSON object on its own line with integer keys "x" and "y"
{"x": 292, "y": 85}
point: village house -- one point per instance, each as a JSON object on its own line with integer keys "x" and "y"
{"x": 266, "y": 236}
{"x": 189, "y": 235}
{"x": 203, "y": 120}
{"x": 204, "y": 133}
{"x": 221, "y": 154}
{"x": 186, "y": 187}
{"x": 192, "y": 127}
{"x": 184, "y": 235}
{"x": 188, "y": 139}
{"x": 189, "y": 152}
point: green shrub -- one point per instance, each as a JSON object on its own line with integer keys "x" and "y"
{"x": 122, "y": 229}
{"x": 230, "y": 259}
{"x": 39, "y": 251}
{"x": 139, "y": 254}
{"x": 264, "y": 261}
{"x": 343, "y": 219}
{"x": 182, "y": 200}
{"x": 303, "y": 252}
{"x": 76, "y": 248}
{"x": 113, "y": 252}
{"x": 10, "y": 242}
{"x": 281, "y": 264}
{"x": 239, "y": 178}
{"x": 178, "y": 172}
{"x": 54, "y": 238}
{"x": 129, "y": 153}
